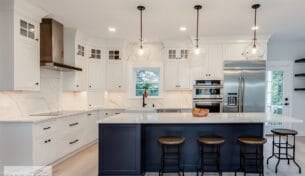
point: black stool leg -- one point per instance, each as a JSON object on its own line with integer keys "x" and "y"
{"x": 273, "y": 143}
{"x": 162, "y": 160}
{"x": 293, "y": 156}
{"x": 279, "y": 153}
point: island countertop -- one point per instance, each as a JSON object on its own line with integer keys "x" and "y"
{"x": 187, "y": 118}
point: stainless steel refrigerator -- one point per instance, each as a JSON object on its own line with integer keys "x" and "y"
{"x": 244, "y": 86}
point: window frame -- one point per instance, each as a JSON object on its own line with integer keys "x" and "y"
{"x": 132, "y": 85}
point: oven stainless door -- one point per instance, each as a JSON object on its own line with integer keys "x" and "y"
{"x": 214, "y": 105}
{"x": 212, "y": 92}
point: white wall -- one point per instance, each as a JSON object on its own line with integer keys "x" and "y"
{"x": 292, "y": 50}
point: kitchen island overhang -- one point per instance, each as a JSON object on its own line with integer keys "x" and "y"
{"x": 128, "y": 142}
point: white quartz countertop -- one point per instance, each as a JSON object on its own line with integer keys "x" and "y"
{"x": 187, "y": 118}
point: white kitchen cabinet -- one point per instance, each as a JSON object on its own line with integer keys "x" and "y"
{"x": 235, "y": 51}
{"x": 208, "y": 64}
{"x": 177, "y": 53}
{"x": 177, "y": 75}
{"x": 96, "y": 68}
{"x": 75, "y": 47}
{"x": 19, "y": 46}
{"x": 177, "y": 69}
{"x": 114, "y": 55}
{"x": 114, "y": 80}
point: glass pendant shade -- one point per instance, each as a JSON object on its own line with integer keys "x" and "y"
{"x": 141, "y": 51}
{"x": 254, "y": 51}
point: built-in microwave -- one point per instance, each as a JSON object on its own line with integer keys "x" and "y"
{"x": 208, "y": 89}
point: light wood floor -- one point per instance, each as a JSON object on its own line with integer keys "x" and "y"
{"x": 85, "y": 163}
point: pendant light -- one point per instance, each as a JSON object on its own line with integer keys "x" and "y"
{"x": 141, "y": 50}
{"x": 197, "y": 49}
{"x": 254, "y": 50}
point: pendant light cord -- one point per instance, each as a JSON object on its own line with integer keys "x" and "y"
{"x": 141, "y": 29}
{"x": 255, "y": 28}
{"x": 197, "y": 39}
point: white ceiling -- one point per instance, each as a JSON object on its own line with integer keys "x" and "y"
{"x": 284, "y": 19}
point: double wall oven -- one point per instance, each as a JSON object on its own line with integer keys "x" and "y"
{"x": 208, "y": 94}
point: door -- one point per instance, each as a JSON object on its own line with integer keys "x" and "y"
{"x": 279, "y": 90}
{"x": 232, "y": 79}
{"x": 253, "y": 91}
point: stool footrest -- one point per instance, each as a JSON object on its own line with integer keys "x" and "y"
{"x": 284, "y": 145}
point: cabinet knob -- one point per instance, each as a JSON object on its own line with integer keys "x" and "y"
{"x": 77, "y": 85}
{"x": 37, "y": 39}
{"x": 286, "y": 104}
{"x": 89, "y": 114}
{"x": 90, "y": 86}
{"x": 37, "y": 83}
{"x": 120, "y": 86}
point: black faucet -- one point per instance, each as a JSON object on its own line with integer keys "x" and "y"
{"x": 143, "y": 101}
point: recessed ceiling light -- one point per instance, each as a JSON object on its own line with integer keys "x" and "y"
{"x": 111, "y": 29}
{"x": 182, "y": 28}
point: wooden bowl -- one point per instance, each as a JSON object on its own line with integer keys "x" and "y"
{"x": 200, "y": 113}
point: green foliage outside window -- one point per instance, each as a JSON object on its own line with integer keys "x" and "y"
{"x": 147, "y": 79}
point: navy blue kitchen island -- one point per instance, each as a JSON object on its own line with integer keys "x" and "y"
{"x": 128, "y": 143}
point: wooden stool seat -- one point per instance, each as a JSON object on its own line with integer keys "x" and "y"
{"x": 171, "y": 140}
{"x": 214, "y": 140}
{"x": 252, "y": 140}
{"x": 284, "y": 132}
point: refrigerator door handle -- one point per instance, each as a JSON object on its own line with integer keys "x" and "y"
{"x": 242, "y": 93}
{"x": 239, "y": 95}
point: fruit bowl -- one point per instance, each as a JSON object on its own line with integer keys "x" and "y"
{"x": 197, "y": 112}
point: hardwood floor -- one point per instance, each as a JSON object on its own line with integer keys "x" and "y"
{"x": 85, "y": 163}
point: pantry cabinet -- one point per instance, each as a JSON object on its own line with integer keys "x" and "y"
{"x": 76, "y": 55}
{"x": 19, "y": 46}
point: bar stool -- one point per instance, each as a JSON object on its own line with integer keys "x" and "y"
{"x": 283, "y": 133}
{"x": 170, "y": 157}
{"x": 213, "y": 155}
{"x": 247, "y": 146}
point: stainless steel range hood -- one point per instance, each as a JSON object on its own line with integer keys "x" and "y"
{"x": 52, "y": 46}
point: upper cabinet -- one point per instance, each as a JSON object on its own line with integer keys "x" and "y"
{"x": 208, "y": 64}
{"x": 114, "y": 69}
{"x": 177, "y": 69}
{"x": 96, "y": 67}
{"x": 235, "y": 51}
{"x": 19, "y": 46}
{"x": 75, "y": 54}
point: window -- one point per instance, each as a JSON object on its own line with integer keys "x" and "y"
{"x": 275, "y": 92}
{"x": 149, "y": 79}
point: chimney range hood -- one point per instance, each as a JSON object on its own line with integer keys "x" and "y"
{"x": 52, "y": 46}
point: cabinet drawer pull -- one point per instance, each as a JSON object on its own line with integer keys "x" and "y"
{"x": 46, "y": 141}
{"x": 89, "y": 114}
{"x": 47, "y": 128}
{"x": 73, "y": 142}
{"x": 73, "y": 124}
